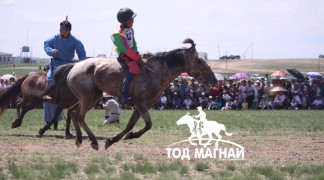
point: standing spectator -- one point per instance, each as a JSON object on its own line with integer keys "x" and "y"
{"x": 250, "y": 94}
{"x": 305, "y": 100}
{"x": 111, "y": 108}
{"x": 175, "y": 88}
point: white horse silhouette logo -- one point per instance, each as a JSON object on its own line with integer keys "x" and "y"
{"x": 200, "y": 128}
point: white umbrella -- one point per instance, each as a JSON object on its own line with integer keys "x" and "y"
{"x": 8, "y": 77}
{"x": 313, "y": 74}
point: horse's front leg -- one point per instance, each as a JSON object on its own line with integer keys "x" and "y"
{"x": 134, "y": 118}
{"x": 92, "y": 137}
{"x": 74, "y": 111}
{"x": 68, "y": 134}
{"x": 53, "y": 120}
{"x": 148, "y": 125}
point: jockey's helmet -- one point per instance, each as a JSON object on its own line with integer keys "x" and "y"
{"x": 125, "y": 14}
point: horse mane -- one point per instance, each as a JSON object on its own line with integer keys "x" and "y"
{"x": 173, "y": 58}
{"x": 62, "y": 71}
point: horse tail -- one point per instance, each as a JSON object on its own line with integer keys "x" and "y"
{"x": 10, "y": 93}
{"x": 226, "y": 133}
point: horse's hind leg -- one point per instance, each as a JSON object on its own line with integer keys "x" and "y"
{"x": 24, "y": 109}
{"x": 134, "y": 118}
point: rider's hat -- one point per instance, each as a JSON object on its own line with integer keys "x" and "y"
{"x": 125, "y": 14}
{"x": 66, "y": 23}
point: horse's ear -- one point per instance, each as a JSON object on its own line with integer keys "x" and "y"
{"x": 190, "y": 41}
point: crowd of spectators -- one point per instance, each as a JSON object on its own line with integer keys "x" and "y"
{"x": 243, "y": 95}
{"x": 235, "y": 94}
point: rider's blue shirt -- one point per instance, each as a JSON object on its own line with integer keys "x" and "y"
{"x": 66, "y": 47}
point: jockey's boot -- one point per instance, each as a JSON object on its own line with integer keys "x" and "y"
{"x": 128, "y": 79}
{"x": 50, "y": 83}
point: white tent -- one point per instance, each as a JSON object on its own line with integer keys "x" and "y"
{"x": 8, "y": 77}
{"x": 219, "y": 76}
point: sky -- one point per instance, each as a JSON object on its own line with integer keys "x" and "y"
{"x": 258, "y": 29}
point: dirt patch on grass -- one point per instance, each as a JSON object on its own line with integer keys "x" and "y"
{"x": 279, "y": 150}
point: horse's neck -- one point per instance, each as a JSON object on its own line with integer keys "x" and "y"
{"x": 165, "y": 75}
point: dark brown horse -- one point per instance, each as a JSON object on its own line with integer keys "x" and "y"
{"x": 32, "y": 88}
{"x": 89, "y": 78}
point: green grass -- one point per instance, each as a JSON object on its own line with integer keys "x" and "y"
{"x": 249, "y": 126}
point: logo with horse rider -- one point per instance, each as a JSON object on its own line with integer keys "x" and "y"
{"x": 202, "y": 131}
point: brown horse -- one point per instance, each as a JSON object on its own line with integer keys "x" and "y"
{"x": 32, "y": 88}
{"x": 88, "y": 79}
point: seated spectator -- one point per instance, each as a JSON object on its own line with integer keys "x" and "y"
{"x": 175, "y": 102}
{"x": 228, "y": 105}
{"x": 263, "y": 105}
{"x": 293, "y": 104}
{"x": 297, "y": 99}
{"x": 236, "y": 105}
{"x": 187, "y": 102}
{"x": 162, "y": 103}
{"x": 219, "y": 102}
{"x": 212, "y": 104}
{"x": 279, "y": 100}
{"x": 271, "y": 103}
{"x": 195, "y": 103}
{"x": 203, "y": 100}
{"x": 317, "y": 103}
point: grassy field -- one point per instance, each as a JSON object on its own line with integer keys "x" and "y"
{"x": 278, "y": 145}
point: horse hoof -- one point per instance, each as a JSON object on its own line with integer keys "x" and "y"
{"x": 108, "y": 143}
{"x": 41, "y": 132}
{"x": 129, "y": 136}
{"x": 15, "y": 125}
{"x": 69, "y": 136}
{"x": 77, "y": 143}
{"x": 95, "y": 146}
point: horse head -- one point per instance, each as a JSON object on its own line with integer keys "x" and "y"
{"x": 197, "y": 67}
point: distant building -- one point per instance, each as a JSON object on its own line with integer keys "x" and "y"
{"x": 203, "y": 55}
{"x": 6, "y": 58}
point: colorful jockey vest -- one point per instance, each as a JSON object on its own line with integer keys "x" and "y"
{"x": 125, "y": 43}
